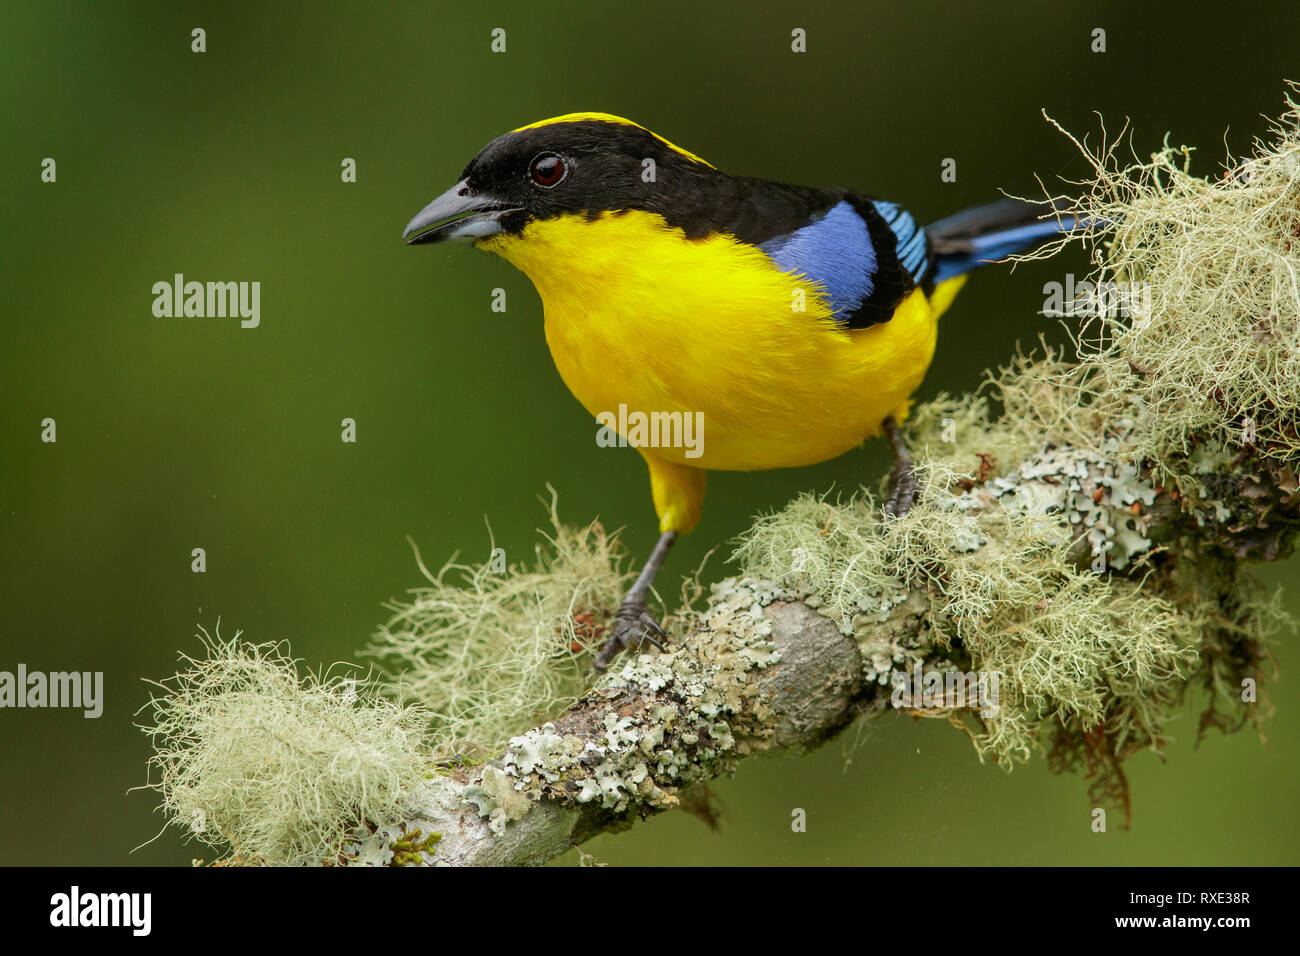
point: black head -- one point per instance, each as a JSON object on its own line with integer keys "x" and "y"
{"x": 583, "y": 164}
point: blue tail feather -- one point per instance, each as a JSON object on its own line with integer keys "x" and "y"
{"x": 985, "y": 234}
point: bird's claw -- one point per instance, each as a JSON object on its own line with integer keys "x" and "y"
{"x": 633, "y": 626}
{"x": 903, "y": 488}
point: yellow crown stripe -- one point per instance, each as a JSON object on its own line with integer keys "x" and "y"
{"x": 611, "y": 118}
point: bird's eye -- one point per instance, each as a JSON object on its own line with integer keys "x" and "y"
{"x": 547, "y": 170}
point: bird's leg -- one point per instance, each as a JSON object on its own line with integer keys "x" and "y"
{"x": 903, "y": 485}
{"x": 632, "y": 622}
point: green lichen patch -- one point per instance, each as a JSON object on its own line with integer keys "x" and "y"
{"x": 414, "y": 848}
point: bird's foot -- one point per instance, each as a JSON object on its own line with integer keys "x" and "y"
{"x": 903, "y": 488}
{"x": 633, "y": 626}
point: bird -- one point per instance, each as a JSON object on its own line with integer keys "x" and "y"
{"x": 792, "y": 323}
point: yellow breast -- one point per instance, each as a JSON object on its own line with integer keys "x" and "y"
{"x": 638, "y": 316}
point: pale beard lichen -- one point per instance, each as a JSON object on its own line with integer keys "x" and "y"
{"x": 1210, "y": 347}
{"x": 276, "y": 767}
{"x": 505, "y": 646}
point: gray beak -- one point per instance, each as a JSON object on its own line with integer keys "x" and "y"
{"x": 457, "y": 214}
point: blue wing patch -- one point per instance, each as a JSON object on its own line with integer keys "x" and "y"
{"x": 836, "y": 251}
{"x": 911, "y": 239}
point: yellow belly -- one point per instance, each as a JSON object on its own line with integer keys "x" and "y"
{"x": 640, "y": 317}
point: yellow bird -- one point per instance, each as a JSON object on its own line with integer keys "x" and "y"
{"x": 717, "y": 321}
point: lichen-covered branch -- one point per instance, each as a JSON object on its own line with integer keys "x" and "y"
{"x": 764, "y": 671}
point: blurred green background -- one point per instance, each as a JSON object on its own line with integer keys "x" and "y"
{"x": 183, "y": 433}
